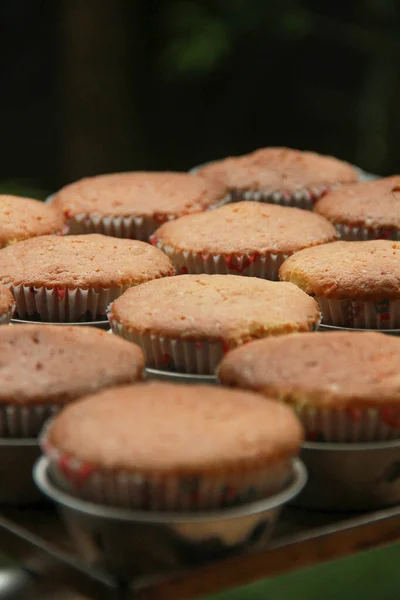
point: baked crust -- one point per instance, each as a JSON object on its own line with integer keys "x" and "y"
{"x": 335, "y": 370}
{"x": 247, "y": 227}
{"x": 139, "y": 194}
{"x": 23, "y": 218}
{"x": 176, "y": 429}
{"x": 347, "y": 270}
{"x": 279, "y": 169}
{"x": 46, "y": 364}
{"x": 373, "y": 204}
{"x": 226, "y": 308}
{"x": 84, "y": 261}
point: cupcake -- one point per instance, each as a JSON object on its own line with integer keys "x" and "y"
{"x": 74, "y": 278}
{"x": 186, "y": 323}
{"x": 280, "y": 176}
{"x": 160, "y": 446}
{"x": 23, "y": 218}
{"x": 44, "y": 367}
{"x": 7, "y": 305}
{"x": 133, "y": 205}
{"x": 366, "y": 211}
{"x": 246, "y": 238}
{"x": 357, "y": 284}
{"x": 344, "y": 386}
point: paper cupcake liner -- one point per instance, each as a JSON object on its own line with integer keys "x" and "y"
{"x": 353, "y": 234}
{"x": 304, "y": 198}
{"x": 164, "y": 492}
{"x": 350, "y": 424}
{"x": 25, "y": 421}
{"x": 382, "y": 314}
{"x": 134, "y": 228}
{"x": 265, "y": 266}
{"x": 63, "y": 304}
{"x": 183, "y": 356}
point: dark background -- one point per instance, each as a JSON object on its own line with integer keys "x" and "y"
{"x": 91, "y": 86}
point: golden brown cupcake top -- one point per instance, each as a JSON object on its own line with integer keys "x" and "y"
{"x": 81, "y": 261}
{"x": 23, "y": 218}
{"x": 139, "y": 194}
{"x": 247, "y": 227}
{"x": 42, "y": 364}
{"x": 225, "y": 308}
{"x": 6, "y": 300}
{"x": 371, "y": 204}
{"x": 335, "y": 369}
{"x": 188, "y": 429}
{"x": 369, "y": 270}
{"x": 280, "y": 169}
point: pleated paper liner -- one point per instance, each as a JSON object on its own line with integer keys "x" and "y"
{"x": 350, "y": 424}
{"x": 63, "y": 305}
{"x": 357, "y": 314}
{"x": 353, "y": 234}
{"x": 182, "y": 356}
{"x": 265, "y": 266}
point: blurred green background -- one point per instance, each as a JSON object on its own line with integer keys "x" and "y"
{"x": 91, "y": 86}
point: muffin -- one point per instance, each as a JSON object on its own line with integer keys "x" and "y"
{"x": 7, "y": 305}
{"x": 44, "y": 367}
{"x": 247, "y": 238}
{"x": 160, "y": 446}
{"x": 132, "y": 205}
{"x": 357, "y": 284}
{"x": 344, "y": 386}
{"x": 366, "y": 211}
{"x": 74, "y": 278}
{"x": 23, "y": 218}
{"x": 280, "y": 176}
{"x": 186, "y": 323}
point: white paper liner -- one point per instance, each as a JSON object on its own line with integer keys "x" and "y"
{"x": 252, "y": 265}
{"x": 304, "y": 198}
{"x": 383, "y": 314}
{"x": 353, "y": 234}
{"x": 134, "y": 228}
{"x": 63, "y": 305}
{"x": 25, "y": 421}
{"x": 168, "y": 492}
{"x": 349, "y": 425}
{"x": 183, "y": 356}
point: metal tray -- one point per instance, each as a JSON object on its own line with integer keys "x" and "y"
{"x": 351, "y": 476}
{"x": 130, "y": 543}
{"x": 179, "y": 377}
{"x": 17, "y": 457}
{"x": 323, "y": 327}
{"x": 99, "y": 324}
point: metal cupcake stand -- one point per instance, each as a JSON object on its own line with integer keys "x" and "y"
{"x": 120, "y": 554}
{"x": 126, "y": 555}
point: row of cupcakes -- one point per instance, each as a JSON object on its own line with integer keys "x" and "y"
{"x": 190, "y": 320}
{"x": 133, "y": 205}
{"x": 121, "y": 442}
